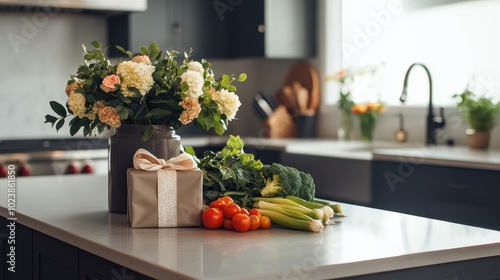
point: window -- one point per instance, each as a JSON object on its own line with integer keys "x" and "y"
{"x": 456, "y": 41}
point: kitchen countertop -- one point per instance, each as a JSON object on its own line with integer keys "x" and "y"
{"x": 74, "y": 209}
{"x": 456, "y": 156}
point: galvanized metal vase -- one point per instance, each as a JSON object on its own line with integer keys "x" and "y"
{"x": 123, "y": 144}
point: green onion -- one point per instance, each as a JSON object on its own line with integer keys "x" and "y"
{"x": 305, "y": 203}
{"x": 337, "y": 208}
{"x": 290, "y": 210}
{"x": 292, "y": 223}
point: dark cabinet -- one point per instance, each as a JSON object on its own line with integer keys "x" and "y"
{"x": 174, "y": 25}
{"x": 272, "y": 29}
{"x": 93, "y": 267}
{"x": 40, "y": 256}
{"x": 221, "y": 28}
{"x": 53, "y": 259}
{"x": 462, "y": 195}
{"x": 16, "y": 242}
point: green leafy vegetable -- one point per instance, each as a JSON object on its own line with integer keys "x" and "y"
{"x": 232, "y": 172}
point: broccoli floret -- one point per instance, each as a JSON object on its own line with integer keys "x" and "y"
{"x": 285, "y": 180}
{"x": 273, "y": 187}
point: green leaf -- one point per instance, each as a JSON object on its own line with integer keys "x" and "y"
{"x": 159, "y": 113}
{"x": 154, "y": 50}
{"x": 59, "y": 124}
{"x": 96, "y": 44}
{"x": 242, "y": 77}
{"x": 232, "y": 88}
{"x": 148, "y": 132}
{"x": 50, "y": 119}
{"x": 58, "y": 108}
{"x": 75, "y": 127}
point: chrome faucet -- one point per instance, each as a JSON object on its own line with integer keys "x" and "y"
{"x": 433, "y": 122}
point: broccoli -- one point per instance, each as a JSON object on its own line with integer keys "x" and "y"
{"x": 285, "y": 180}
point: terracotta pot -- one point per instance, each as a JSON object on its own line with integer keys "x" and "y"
{"x": 478, "y": 140}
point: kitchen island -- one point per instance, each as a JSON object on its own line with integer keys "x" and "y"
{"x": 368, "y": 243}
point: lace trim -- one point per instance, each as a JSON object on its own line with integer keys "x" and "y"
{"x": 167, "y": 198}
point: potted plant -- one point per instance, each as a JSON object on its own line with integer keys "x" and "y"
{"x": 480, "y": 114}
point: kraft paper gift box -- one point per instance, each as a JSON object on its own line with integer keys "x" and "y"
{"x": 161, "y": 196}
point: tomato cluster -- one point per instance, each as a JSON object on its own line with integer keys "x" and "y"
{"x": 224, "y": 213}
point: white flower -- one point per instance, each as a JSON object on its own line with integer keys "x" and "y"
{"x": 228, "y": 102}
{"x": 136, "y": 75}
{"x": 196, "y": 66}
{"x": 76, "y": 103}
{"x": 195, "y": 81}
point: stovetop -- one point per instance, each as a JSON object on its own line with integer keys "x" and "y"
{"x": 63, "y": 144}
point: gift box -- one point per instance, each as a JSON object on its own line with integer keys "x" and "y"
{"x": 161, "y": 194}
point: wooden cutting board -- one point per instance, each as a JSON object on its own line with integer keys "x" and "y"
{"x": 307, "y": 76}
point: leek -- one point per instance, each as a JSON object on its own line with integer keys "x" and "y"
{"x": 291, "y": 210}
{"x": 292, "y": 223}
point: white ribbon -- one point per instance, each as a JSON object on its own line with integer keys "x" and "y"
{"x": 167, "y": 181}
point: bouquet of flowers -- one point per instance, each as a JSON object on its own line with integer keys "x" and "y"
{"x": 367, "y": 114}
{"x": 148, "y": 89}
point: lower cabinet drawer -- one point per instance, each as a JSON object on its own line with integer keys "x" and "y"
{"x": 53, "y": 259}
{"x": 93, "y": 267}
{"x": 462, "y": 195}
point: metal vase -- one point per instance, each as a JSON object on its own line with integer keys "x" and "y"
{"x": 122, "y": 145}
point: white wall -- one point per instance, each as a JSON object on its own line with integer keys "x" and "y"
{"x": 39, "y": 52}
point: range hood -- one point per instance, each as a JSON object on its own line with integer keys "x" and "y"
{"x": 74, "y": 5}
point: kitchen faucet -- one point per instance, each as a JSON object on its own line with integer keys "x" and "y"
{"x": 433, "y": 122}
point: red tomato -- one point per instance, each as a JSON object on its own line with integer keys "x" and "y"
{"x": 227, "y": 199}
{"x": 231, "y": 210}
{"x": 244, "y": 211}
{"x": 265, "y": 222}
{"x": 241, "y": 222}
{"x": 213, "y": 218}
{"x": 255, "y": 211}
{"x": 254, "y": 222}
{"x": 228, "y": 224}
{"x": 220, "y": 204}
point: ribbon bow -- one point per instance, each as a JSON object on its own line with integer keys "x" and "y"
{"x": 144, "y": 160}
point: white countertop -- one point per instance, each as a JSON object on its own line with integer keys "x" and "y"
{"x": 456, "y": 156}
{"x": 73, "y": 208}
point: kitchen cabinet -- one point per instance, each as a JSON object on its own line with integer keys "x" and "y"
{"x": 95, "y": 267}
{"x": 174, "y": 25}
{"x": 462, "y": 195}
{"x": 53, "y": 259}
{"x": 272, "y": 29}
{"x": 220, "y": 29}
{"x": 40, "y": 256}
{"x": 338, "y": 179}
{"x": 22, "y": 237}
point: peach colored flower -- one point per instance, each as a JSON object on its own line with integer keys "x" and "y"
{"x": 76, "y": 103}
{"x": 192, "y": 109}
{"x": 95, "y": 110}
{"x": 70, "y": 88}
{"x": 142, "y": 59}
{"x": 109, "y": 116}
{"x": 109, "y": 83}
